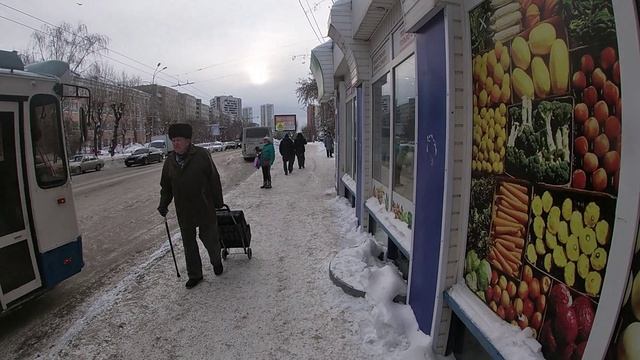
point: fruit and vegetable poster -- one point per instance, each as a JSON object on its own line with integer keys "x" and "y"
{"x": 624, "y": 342}
{"x": 545, "y": 164}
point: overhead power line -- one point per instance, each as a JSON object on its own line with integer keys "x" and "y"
{"x": 309, "y": 21}
{"x": 314, "y": 19}
{"x": 106, "y": 48}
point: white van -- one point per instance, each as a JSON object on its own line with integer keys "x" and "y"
{"x": 162, "y": 143}
{"x": 252, "y": 137}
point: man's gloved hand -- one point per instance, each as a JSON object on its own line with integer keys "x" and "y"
{"x": 163, "y": 211}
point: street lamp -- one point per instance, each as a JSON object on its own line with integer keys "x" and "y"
{"x": 155, "y": 97}
{"x": 156, "y": 72}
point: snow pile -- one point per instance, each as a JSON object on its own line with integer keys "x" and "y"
{"x": 398, "y": 229}
{"x": 391, "y": 328}
{"x": 509, "y": 340}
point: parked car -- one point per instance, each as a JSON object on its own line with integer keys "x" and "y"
{"x": 217, "y": 146}
{"x": 229, "y": 145}
{"x": 80, "y": 164}
{"x": 144, "y": 156}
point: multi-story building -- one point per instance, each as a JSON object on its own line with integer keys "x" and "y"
{"x": 164, "y": 106}
{"x": 266, "y": 115}
{"x": 133, "y": 126}
{"x": 227, "y": 105}
{"x": 187, "y": 107}
{"x": 247, "y": 114}
{"x": 311, "y": 119}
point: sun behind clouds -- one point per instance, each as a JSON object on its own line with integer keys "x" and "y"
{"x": 258, "y": 73}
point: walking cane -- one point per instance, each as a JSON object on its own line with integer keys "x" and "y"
{"x": 166, "y": 225}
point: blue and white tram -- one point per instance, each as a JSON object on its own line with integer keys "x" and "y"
{"x": 40, "y": 244}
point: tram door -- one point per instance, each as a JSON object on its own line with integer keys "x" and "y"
{"x": 18, "y": 268}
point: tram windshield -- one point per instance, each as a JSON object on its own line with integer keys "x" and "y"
{"x": 46, "y": 136}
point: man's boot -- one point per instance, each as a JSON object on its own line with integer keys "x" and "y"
{"x": 264, "y": 185}
{"x": 268, "y": 186}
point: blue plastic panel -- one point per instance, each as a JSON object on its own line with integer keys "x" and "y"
{"x": 432, "y": 96}
{"x": 61, "y": 263}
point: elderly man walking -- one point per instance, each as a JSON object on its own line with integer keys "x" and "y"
{"x": 190, "y": 177}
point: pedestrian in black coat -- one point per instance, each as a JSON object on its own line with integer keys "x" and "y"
{"x": 299, "y": 144}
{"x": 288, "y": 151}
{"x": 191, "y": 179}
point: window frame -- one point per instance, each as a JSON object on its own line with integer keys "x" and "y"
{"x": 40, "y": 100}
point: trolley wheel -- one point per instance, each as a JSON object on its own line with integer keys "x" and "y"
{"x": 249, "y": 253}
{"x": 225, "y": 252}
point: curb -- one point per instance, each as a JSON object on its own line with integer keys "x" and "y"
{"x": 350, "y": 290}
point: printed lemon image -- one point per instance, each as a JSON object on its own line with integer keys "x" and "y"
{"x": 569, "y": 238}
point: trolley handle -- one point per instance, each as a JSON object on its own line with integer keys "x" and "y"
{"x": 224, "y": 206}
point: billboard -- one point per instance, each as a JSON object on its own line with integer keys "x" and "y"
{"x": 215, "y": 129}
{"x": 285, "y": 122}
{"x": 546, "y": 122}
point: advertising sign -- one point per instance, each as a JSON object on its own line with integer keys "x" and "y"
{"x": 545, "y": 164}
{"x": 215, "y": 129}
{"x": 285, "y": 122}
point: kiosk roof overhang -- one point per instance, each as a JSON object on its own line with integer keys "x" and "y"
{"x": 322, "y": 69}
{"x": 367, "y": 15}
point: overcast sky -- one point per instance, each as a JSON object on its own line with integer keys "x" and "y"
{"x": 243, "y": 48}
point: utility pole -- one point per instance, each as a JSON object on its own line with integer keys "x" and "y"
{"x": 155, "y": 99}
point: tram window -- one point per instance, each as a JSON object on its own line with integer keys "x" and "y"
{"x": 46, "y": 136}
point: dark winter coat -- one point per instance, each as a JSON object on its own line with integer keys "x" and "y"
{"x": 195, "y": 187}
{"x": 299, "y": 144}
{"x": 328, "y": 142}
{"x": 287, "y": 147}
{"x": 268, "y": 153}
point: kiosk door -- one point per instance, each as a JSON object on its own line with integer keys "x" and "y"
{"x": 18, "y": 268}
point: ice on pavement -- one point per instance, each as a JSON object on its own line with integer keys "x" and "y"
{"x": 281, "y": 304}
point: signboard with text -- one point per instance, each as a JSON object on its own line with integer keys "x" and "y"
{"x": 285, "y": 122}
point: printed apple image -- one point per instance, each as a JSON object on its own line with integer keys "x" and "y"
{"x": 587, "y": 64}
{"x": 616, "y": 73}
{"x": 590, "y": 162}
{"x": 598, "y": 78}
{"x": 601, "y": 112}
{"x": 579, "y": 179}
{"x": 591, "y": 128}
{"x": 611, "y": 162}
{"x": 581, "y": 146}
{"x": 612, "y": 128}
{"x": 611, "y": 93}
{"x": 607, "y": 57}
{"x": 590, "y": 96}
{"x": 579, "y": 81}
{"x": 601, "y": 145}
{"x": 523, "y": 290}
{"x": 599, "y": 180}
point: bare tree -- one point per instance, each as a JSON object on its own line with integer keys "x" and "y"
{"x": 73, "y": 45}
{"x": 118, "y": 111}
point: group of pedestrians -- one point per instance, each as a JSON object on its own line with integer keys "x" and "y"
{"x": 289, "y": 150}
{"x": 190, "y": 179}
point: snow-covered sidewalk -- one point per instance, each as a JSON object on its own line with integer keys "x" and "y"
{"x": 281, "y": 304}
